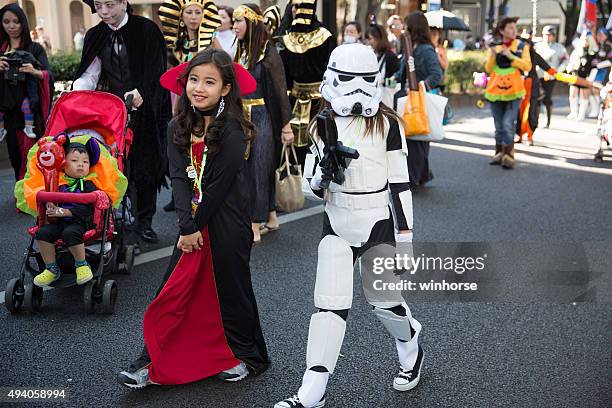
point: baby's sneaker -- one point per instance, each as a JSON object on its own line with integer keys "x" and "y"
{"x": 2, "y": 134}
{"x": 29, "y": 131}
{"x": 45, "y": 278}
{"x": 83, "y": 274}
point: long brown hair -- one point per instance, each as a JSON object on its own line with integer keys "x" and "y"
{"x": 188, "y": 121}
{"x": 255, "y": 38}
{"x": 382, "y": 42}
{"x": 374, "y": 125}
{"x": 417, "y": 26}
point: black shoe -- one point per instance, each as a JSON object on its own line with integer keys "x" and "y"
{"x": 148, "y": 235}
{"x": 170, "y": 206}
{"x": 137, "y": 250}
{"x": 414, "y": 188}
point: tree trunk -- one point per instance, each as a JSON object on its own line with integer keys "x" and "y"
{"x": 571, "y": 11}
{"x": 501, "y": 10}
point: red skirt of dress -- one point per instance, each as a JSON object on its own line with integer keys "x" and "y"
{"x": 183, "y": 329}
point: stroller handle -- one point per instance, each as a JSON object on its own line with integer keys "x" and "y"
{"x": 56, "y": 197}
{"x": 129, "y": 101}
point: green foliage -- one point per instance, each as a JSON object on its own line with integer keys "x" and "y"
{"x": 64, "y": 65}
{"x": 461, "y": 66}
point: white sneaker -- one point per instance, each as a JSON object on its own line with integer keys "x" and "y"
{"x": 235, "y": 373}
{"x": 294, "y": 402}
{"x": 2, "y": 134}
{"x": 137, "y": 379}
{"x": 29, "y": 131}
{"x": 406, "y": 380}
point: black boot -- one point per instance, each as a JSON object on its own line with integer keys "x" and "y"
{"x": 548, "y": 115}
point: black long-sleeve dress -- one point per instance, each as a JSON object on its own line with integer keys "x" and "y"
{"x": 224, "y": 213}
{"x": 269, "y": 119}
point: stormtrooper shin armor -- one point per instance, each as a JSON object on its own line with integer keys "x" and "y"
{"x": 372, "y": 204}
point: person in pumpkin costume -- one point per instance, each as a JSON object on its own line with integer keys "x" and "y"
{"x": 506, "y": 88}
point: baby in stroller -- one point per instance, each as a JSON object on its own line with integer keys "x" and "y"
{"x": 71, "y": 220}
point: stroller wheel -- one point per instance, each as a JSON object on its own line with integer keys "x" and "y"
{"x": 32, "y": 299}
{"x": 109, "y": 296}
{"x": 126, "y": 266}
{"x": 13, "y": 297}
{"x": 90, "y": 296}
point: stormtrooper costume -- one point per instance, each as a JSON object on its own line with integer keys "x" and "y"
{"x": 372, "y": 206}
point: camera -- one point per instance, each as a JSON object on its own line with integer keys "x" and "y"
{"x": 12, "y": 74}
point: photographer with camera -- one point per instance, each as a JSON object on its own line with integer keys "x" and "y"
{"x": 25, "y": 87}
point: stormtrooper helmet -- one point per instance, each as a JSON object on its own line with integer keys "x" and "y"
{"x": 351, "y": 81}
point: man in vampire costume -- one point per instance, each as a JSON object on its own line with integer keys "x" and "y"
{"x": 126, "y": 54}
{"x": 304, "y": 46}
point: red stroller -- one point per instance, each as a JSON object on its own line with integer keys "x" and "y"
{"x": 106, "y": 249}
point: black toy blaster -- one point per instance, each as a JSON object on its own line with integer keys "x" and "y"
{"x": 336, "y": 156}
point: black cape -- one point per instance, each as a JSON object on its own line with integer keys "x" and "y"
{"x": 147, "y": 59}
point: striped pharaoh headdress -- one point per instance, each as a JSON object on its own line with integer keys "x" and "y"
{"x": 306, "y": 10}
{"x": 170, "y": 15}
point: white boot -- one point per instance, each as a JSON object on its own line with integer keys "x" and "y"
{"x": 584, "y": 105}
{"x": 594, "y": 103}
{"x": 313, "y": 387}
{"x": 573, "y": 108}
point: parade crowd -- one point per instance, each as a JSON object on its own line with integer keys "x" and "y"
{"x": 243, "y": 87}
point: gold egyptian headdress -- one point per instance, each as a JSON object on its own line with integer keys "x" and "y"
{"x": 247, "y": 13}
{"x": 304, "y": 16}
{"x": 170, "y": 13}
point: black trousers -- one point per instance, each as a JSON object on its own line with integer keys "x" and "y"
{"x": 70, "y": 232}
{"x": 548, "y": 87}
{"x": 418, "y": 162}
{"x": 142, "y": 191}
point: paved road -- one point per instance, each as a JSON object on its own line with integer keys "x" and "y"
{"x": 538, "y": 334}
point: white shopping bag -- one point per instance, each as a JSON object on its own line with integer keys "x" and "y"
{"x": 434, "y": 106}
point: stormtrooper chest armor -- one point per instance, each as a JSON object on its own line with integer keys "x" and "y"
{"x": 368, "y": 173}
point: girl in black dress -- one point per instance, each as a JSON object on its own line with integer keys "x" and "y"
{"x": 204, "y": 320}
{"x": 268, "y": 107}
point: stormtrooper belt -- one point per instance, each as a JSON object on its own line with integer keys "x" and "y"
{"x": 359, "y": 201}
{"x": 247, "y": 105}
{"x": 304, "y": 94}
